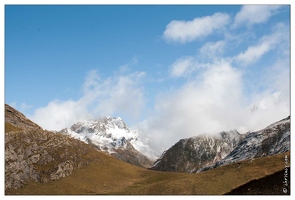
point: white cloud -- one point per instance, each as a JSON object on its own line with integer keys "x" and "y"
{"x": 214, "y": 101}
{"x": 254, "y": 14}
{"x": 60, "y": 114}
{"x": 212, "y": 49}
{"x": 278, "y": 38}
{"x": 187, "y": 31}
{"x": 187, "y": 65}
{"x": 202, "y": 106}
{"x": 182, "y": 66}
{"x": 119, "y": 95}
{"x": 253, "y": 53}
{"x": 123, "y": 95}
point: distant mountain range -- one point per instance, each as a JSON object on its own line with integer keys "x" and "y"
{"x": 206, "y": 152}
{"x": 96, "y": 148}
{"x": 274, "y": 139}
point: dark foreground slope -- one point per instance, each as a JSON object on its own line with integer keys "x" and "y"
{"x": 274, "y": 184}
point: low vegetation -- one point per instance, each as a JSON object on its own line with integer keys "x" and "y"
{"x": 111, "y": 176}
{"x": 39, "y": 162}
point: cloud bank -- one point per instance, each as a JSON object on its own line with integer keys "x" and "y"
{"x": 118, "y": 95}
{"x": 213, "y": 102}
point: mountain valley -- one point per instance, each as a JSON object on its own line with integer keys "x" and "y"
{"x": 94, "y": 157}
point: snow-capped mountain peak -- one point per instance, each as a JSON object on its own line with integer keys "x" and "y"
{"x": 109, "y": 134}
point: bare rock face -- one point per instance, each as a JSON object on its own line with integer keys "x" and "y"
{"x": 34, "y": 154}
{"x": 64, "y": 169}
{"x": 18, "y": 120}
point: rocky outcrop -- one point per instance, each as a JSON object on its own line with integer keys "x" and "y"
{"x": 17, "y": 120}
{"x": 34, "y": 154}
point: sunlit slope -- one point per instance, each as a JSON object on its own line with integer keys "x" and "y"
{"x": 111, "y": 176}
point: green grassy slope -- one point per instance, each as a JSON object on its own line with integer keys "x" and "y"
{"x": 111, "y": 176}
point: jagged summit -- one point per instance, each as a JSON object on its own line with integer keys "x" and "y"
{"x": 196, "y": 152}
{"x": 113, "y": 136}
{"x": 204, "y": 152}
{"x": 273, "y": 139}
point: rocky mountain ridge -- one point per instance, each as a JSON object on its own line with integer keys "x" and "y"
{"x": 113, "y": 136}
{"x": 194, "y": 153}
{"x": 205, "y": 152}
{"x": 274, "y": 139}
{"x": 34, "y": 154}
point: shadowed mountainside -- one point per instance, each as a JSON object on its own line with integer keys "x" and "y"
{"x": 269, "y": 185}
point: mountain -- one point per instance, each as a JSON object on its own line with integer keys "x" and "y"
{"x": 205, "y": 152}
{"x": 194, "y": 153}
{"x": 40, "y": 162}
{"x": 34, "y": 154}
{"x": 15, "y": 121}
{"x": 274, "y": 139}
{"x": 113, "y": 136}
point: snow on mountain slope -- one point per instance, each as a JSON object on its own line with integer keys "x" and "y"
{"x": 193, "y": 153}
{"x": 111, "y": 135}
{"x": 274, "y": 139}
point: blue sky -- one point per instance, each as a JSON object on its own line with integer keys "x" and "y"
{"x": 177, "y": 70}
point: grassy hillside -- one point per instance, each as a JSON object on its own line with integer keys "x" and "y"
{"x": 40, "y": 155}
{"x": 111, "y": 176}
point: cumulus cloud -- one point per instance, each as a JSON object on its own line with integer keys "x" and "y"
{"x": 187, "y": 65}
{"x": 122, "y": 95}
{"x": 118, "y": 95}
{"x": 201, "y": 106}
{"x": 214, "y": 101}
{"x": 254, "y": 14}
{"x": 217, "y": 97}
{"x": 60, "y": 114}
{"x": 187, "y": 31}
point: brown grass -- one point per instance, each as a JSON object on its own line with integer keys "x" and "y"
{"x": 111, "y": 176}
{"x": 10, "y": 128}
